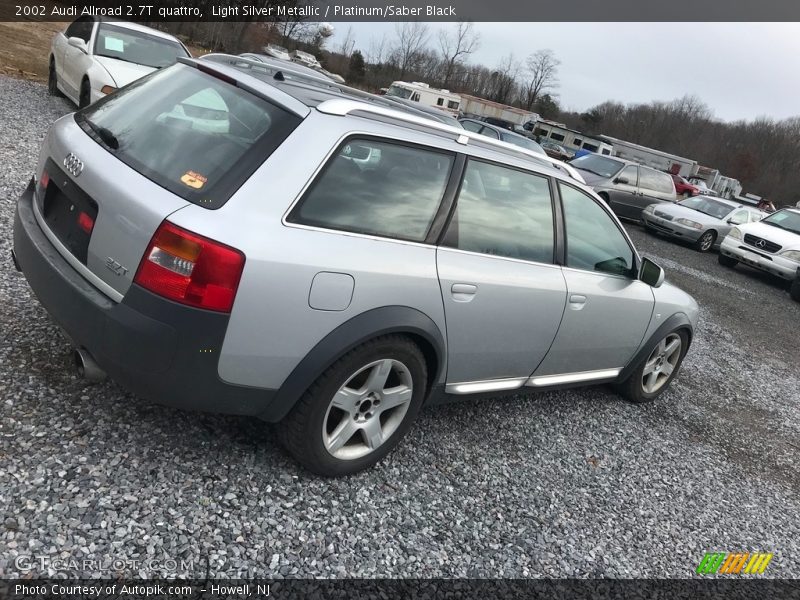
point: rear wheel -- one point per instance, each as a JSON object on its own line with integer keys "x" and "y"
{"x": 52, "y": 80}
{"x": 706, "y": 241}
{"x": 86, "y": 94}
{"x": 357, "y": 411}
{"x": 654, "y": 374}
{"x": 727, "y": 261}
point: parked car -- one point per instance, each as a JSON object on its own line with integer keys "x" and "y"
{"x": 398, "y": 263}
{"x": 702, "y": 220}
{"x": 276, "y": 51}
{"x": 771, "y": 245}
{"x": 305, "y": 59}
{"x": 556, "y": 150}
{"x": 92, "y": 57}
{"x": 627, "y": 187}
{"x": 683, "y": 187}
{"x": 500, "y": 133}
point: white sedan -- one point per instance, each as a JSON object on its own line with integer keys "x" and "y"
{"x": 93, "y": 58}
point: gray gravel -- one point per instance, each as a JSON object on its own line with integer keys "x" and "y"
{"x": 572, "y": 483}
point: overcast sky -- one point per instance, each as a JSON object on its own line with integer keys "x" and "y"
{"x": 740, "y": 70}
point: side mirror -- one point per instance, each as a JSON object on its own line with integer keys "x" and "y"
{"x": 621, "y": 180}
{"x": 78, "y": 43}
{"x": 650, "y": 273}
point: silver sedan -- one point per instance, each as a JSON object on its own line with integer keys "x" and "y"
{"x": 702, "y": 220}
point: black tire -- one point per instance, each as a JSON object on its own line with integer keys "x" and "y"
{"x": 52, "y": 80}
{"x": 794, "y": 289}
{"x": 727, "y": 261}
{"x": 632, "y": 389}
{"x": 86, "y": 94}
{"x": 301, "y": 431}
{"x": 706, "y": 241}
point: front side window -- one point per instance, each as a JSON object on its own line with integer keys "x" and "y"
{"x": 594, "y": 242}
{"x": 489, "y": 132}
{"x": 503, "y": 212}
{"x": 377, "y": 188}
{"x": 136, "y": 47}
{"x": 472, "y": 126}
{"x": 191, "y": 133}
{"x": 81, "y": 28}
{"x": 631, "y": 173}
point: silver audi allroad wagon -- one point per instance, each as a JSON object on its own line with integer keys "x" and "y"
{"x": 227, "y": 236}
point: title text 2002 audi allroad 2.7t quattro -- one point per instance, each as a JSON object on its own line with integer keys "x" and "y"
{"x": 239, "y": 239}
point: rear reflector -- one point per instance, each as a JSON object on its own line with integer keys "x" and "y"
{"x": 85, "y": 222}
{"x": 190, "y": 269}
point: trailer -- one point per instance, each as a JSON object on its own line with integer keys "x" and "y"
{"x": 426, "y": 95}
{"x": 487, "y": 109}
{"x": 663, "y": 161}
{"x": 570, "y": 138}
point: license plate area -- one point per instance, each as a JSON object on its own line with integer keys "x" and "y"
{"x": 69, "y": 212}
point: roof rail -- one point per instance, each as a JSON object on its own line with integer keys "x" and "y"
{"x": 278, "y": 73}
{"x": 342, "y": 107}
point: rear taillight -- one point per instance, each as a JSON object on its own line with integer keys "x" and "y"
{"x": 190, "y": 269}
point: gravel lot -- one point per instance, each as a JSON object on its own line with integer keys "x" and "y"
{"x": 572, "y": 483}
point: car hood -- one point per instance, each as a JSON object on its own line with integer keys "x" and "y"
{"x": 123, "y": 72}
{"x": 591, "y": 178}
{"x": 786, "y": 239}
{"x": 678, "y": 211}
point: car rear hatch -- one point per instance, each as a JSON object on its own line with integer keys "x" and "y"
{"x": 112, "y": 173}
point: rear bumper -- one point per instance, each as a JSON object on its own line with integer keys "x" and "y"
{"x": 771, "y": 263}
{"x": 159, "y": 349}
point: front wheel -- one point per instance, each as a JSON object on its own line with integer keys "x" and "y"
{"x": 357, "y": 411}
{"x": 52, "y": 80}
{"x": 706, "y": 241}
{"x": 654, "y": 374}
{"x": 794, "y": 289}
{"x": 86, "y": 94}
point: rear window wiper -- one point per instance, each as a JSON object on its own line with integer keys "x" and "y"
{"x": 105, "y": 135}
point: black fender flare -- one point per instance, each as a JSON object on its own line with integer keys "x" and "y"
{"x": 350, "y": 334}
{"x": 673, "y": 323}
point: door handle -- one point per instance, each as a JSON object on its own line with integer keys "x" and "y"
{"x": 463, "y": 292}
{"x": 577, "y": 301}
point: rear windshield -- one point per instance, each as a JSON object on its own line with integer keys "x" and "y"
{"x": 191, "y": 133}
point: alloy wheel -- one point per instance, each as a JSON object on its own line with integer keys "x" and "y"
{"x": 662, "y": 363}
{"x": 367, "y": 409}
{"x": 706, "y": 241}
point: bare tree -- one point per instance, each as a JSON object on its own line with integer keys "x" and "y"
{"x": 456, "y": 45}
{"x": 542, "y": 76}
{"x": 377, "y": 50}
{"x": 503, "y": 80}
{"x": 347, "y": 45}
{"x": 412, "y": 36}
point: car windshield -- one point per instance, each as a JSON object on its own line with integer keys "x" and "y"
{"x": 785, "y": 219}
{"x": 707, "y": 206}
{"x": 399, "y": 92}
{"x": 604, "y": 167}
{"x": 522, "y": 142}
{"x": 136, "y": 46}
{"x": 193, "y": 134}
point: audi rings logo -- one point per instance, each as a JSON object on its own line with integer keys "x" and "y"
{"x": 761, "y": 243}
{"x": 73, "y": 164}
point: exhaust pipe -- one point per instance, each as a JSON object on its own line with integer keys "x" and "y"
{"x": 86, "y": 367}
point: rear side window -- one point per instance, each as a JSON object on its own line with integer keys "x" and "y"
{"x": 378, "y": 188}
{"x": 653, "y": 180}
{"x": 503, "y": 212}
{"x": 193, "y": 134}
